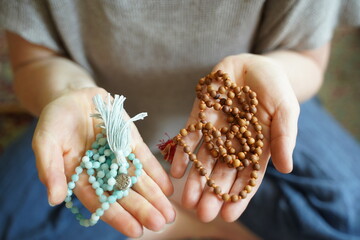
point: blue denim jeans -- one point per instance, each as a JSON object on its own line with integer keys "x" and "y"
{"x": 320, "y": 199}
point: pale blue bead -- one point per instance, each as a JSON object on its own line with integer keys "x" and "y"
{"x": 71, "y": 185}
{"x": 104, "y": 166}
{"x": 102, "y": 159}
{"x": 78, "y": 216}
{"x": 113, "y": 173}
{"x": 107, "y": 146}
{"x": 88, "y": 165}
{"x": 99, "y": 191}
{"x": 101, "y": 150}
{"x": 107, "y": 152}
{"x": 102, "y": 141}
{"x": 95, "y": 185}
{"x": 103, "y": 198}
{"x": 110, "y": 188}
{"x": 74, "y": 210}
{"x": 100, "y": 181}
{"x": 67, "y": 199}
{"x": 112, "y": 156}
{"x": 89, "y": 153}
{"x": 96, "y": 156}
{"x": 96, "y": 165}
{"x": 138, "y": 172}
{"x": 99, "y": 135}
{"x": 92, "y": 179}
{"x": 82, "y": 165}
{"x": 119, "y": 194}
{"x": 94, "y": 217}
{"x": 85, "y": 159}
{"x": 104, "y": 186}
{"x": 87, "y": 223}
{"x": 125, "y": 193}
{"x": 122, "y": 169}
{"x": 100, "y": 174}
{"x": 131, "y": 156}
{"x": 94, "y": 151}
{"x": 108, "y": 175}
{"x": 75, "y": 177}
{"x": 95, "y": 145}
{"x": 126, "y": 165}
{"x": 133, "y": 180}
{"x": 105, "y": 205}
{"x": 99, "y": 212}
{"x": 136, "y": 160}
{"x": 82, "y": 222}
{"x": 69, "y": 192}
{"x": 138, "y": 165}
{"x": 90, "y": 171}
{"x": 78, "y": 170}
{"x": 69, "y": 204}
{"x": 111, "y": 199}
{"x": 92, "y": 222}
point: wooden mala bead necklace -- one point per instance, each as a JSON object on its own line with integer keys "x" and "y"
{"x": 219, "y": 141}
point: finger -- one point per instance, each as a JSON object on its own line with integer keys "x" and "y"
{"x": 147, "y": 188}
{"x": 116, "y": 216}
{"x": 50, "y": 165}
{"x": 283, "y": 135}
{"x": 210, "y": 204}
{"x": 152, "y": 166}
{"x": 232, "y": 210}
{"x": 181, "y": 160}
{"x": 195, "y": 183}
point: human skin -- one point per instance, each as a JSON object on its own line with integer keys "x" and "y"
{"x": 59, "y": 92}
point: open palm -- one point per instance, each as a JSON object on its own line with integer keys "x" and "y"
{"x": 277, "y": 113}
{"x": 64, "y": 132}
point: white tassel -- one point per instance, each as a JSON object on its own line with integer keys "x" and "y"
{"x": 118, "y": 130}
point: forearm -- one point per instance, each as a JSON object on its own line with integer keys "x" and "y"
{"x": 305, "y": 70}
{"x": 41, "y": 81}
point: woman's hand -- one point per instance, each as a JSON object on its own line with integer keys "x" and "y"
{"x": 64, "y": 132}
{"x": 277, "y": 112}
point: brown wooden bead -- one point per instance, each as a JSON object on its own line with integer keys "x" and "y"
{"x": 259, "y": 143}
{"x": 217, "y": 190}
{"x": 202, "y": 115}
{"x": 256, "y": 166}
{"x": 246, "y": 148}
{"x": 222, "y": 90}
{"x": 242, "y": 123}
{"x": 235, "y": 128}
{"x": 208, "y": 126}
{"x": 243, "y": 141}
{"x": 191, "y": 128}
{"x": 198, "y": 164}
{"x": 254, "y": 174}
{"x": 209, "y": 146}
{"x": 258, "y": 151}
{"x": 234, "y": 198}
{"x": 230, "y": 119}
{"x": 258, "y": 127}
{"x": 202, "y": 81}
{"x": 243, "y": 130}
{"x": 209, "y": 104}
{"x": 216, "y": 134}
{"x": 198, "y": 126}
{"x": 236, "y": 163}
{"x": 232, "y": 150}
{"x": 187, "y": 149}
{"x": 240, "y": 168}
{"x": 237, "y": 90}
{"x": 252, "y": 182}
{"x": 259, "y": 136}
{"x": 227, "y": 83}
{"x": 248, "y": 116}
{"x": 247, "y": 134}
{"x": 251, "y": 141}
{"x": 254, "y": 158}
{"x": 208, "y": 81}
{"x": 192, "y": 157}
{"x": 203, "y": 171}
{"x": 202, "y": 106}
{"x": 254, "y": 120}
{"x": 181, "y": 143}
{"x": 235, "y": 111}
{"x": 254, "y": 102}
{"x": 243, "y": 194}
{"x": 205, "y": 97}
{"x": 242, "y": 99}
{"x": 228, "y": 143}
{"x": 231, "y": 94}
{"x": 229, "y": 102}
{"x": 225, "y": 197}
{"x": 253, "y": 110}
{"x": 228, "y": 158}
{"x": 246, "y": 89}
{"x": 210, "y": 182}
{"x": 219, "y": 142}
{"x": 248, "y": 188}
{"x": 224, "y": 130}
{"x": 213, "y": 93}
{"x": 226, "y": 109}
{"x": 229, "y": 135}
{"x": 245, "y": 162}
{"x": 183, "y": 132}
{"x": 241, "y": 155}
{"x": 252, "y": 95}
{"x": 214, "y": 153}
{"x": 207, "y": 138}
{"x": 217, "y": 106}
{"x": 198, "y": 87}
{"x": 222, "y": 151}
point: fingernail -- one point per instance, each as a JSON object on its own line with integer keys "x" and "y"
{"x": 51, "y": 205}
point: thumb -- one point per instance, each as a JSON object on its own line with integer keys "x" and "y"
{"x": 283, "y": 135}
{"x": 50, "y": 165}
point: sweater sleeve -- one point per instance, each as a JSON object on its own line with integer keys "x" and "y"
{"x": 303, "y": 24}
{"x": 31, "y": 19}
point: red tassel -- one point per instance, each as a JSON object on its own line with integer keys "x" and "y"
{"x": 167, "y": 149}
